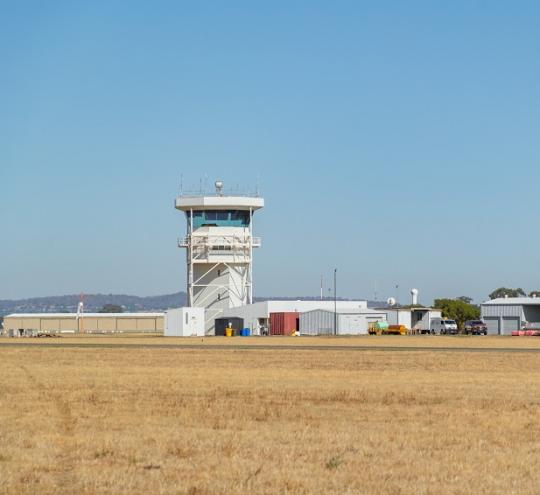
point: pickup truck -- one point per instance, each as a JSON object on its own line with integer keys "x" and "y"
{"x": 475, "y": 327}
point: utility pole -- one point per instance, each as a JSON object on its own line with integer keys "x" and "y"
{"x": 335, "y": 301}
{"x": 80, "y": 314}
{"x": 321, "y": 288}
{"x": 397, "y": 304}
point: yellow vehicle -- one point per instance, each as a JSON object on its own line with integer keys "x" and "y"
{"x": 382, "y": 328}
{"x": 377, "y": 327}
{"x": 396, "y": 330}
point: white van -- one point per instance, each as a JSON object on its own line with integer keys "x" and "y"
{"x": 443, "y": 326}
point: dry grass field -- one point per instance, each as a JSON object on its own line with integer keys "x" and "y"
{"x": 451, "y": 341}
{"x": 205, "y": 421}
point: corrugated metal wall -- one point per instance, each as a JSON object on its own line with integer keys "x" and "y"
{"x": 317, "y": 322}
{"x": 502, "y": 310}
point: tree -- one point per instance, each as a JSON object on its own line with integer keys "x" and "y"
{"x": 458, "y": 310}
{"x": 534, "y": 293}
{"x": 465, "y": 299}
{"x": 505, "y": 292}
{"x": 111, "y": 308}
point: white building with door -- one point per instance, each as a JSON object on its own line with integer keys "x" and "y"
{"x": 504, "y": 315}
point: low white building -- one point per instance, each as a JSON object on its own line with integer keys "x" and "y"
{"x": 342, "y": 322}
{"x": 504, "y": 315}
{"x": 19, "y": 324}
{"x": 256, "y": 316}
{"x": 184, "y": 322}
{"x": 416, "y": 319}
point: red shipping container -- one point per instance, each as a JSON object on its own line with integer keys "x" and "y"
{"x": 284, "y": 323}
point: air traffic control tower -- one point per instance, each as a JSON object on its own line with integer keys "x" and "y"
{"x": 219, "y": 250}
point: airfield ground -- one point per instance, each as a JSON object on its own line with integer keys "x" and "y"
{"x": 134, "y": 417}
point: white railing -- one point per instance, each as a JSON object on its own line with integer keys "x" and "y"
{"x": 219, "y": 241}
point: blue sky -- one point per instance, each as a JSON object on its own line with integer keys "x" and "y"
{"x": 396, "y": 141}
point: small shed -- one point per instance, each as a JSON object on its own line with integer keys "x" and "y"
{"x": 184, "y": 322}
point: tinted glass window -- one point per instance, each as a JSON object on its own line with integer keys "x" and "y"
{"x": 221, "y": 218}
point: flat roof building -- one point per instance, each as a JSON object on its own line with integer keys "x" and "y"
{"x": 257, "y": 316}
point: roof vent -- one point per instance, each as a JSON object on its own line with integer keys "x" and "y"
{"x": 219, "y": 187}
{"x": 506, "y": 296}
{"x": 534, "y": 296}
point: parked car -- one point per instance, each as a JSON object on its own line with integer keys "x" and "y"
{"x": 475, "y": 327}
{"x": 443, "y": 326}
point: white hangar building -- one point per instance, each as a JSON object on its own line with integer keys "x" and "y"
{"x": 504, "y": 315}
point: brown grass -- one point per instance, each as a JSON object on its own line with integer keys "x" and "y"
{"x": 468, "y": 341}
{"x": 256, "y": 421}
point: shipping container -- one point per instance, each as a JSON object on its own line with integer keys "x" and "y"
{"x": 285, "y": 323}
{"x": 222, "y": 323}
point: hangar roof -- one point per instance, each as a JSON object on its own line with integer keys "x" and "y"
{"x": 524, "y": 301}
{"x": 85, "y": 315}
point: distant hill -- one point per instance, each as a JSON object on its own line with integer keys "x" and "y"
{"x": 94, "y": 302}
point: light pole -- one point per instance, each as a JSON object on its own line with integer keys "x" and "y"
{"x": 397, "y": 304}
{"x": 335, "y": 301}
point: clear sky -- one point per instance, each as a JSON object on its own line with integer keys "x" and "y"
{"x": 396, "y": 141}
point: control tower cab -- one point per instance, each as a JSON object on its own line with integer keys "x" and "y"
{"x": 219, "y": 250}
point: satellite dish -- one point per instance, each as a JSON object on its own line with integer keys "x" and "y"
{"x": 391, "y": 301}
